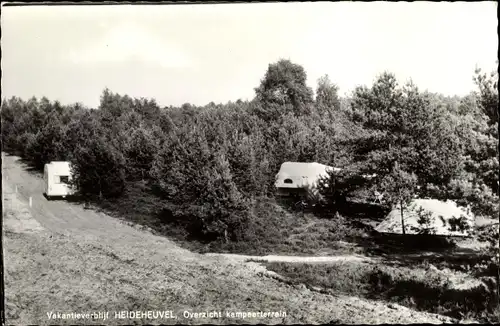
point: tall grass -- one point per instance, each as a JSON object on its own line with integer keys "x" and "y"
{"x": 415, "y": 288}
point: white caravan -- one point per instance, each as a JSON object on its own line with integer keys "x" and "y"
{"x": 56, "y": 176}
{"x": 298, "y": 177}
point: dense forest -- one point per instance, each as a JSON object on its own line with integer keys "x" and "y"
{"x": 212, "y": 163}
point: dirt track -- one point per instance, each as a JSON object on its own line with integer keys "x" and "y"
{"x": 292, "y": 259}
{"x": 59, "y": 257}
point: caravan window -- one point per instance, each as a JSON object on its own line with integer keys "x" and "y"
{"x": 288, "y": 181}
{"x": 58, "y": 179}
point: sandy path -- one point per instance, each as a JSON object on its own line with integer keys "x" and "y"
{"x": 293, "y": 259}
{"x": 59, "y": 257}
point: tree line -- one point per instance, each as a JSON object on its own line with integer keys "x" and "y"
{"x": 213, "y": 162}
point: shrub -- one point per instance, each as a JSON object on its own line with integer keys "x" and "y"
{"x": 98, "y": 170}
{"x": 414, "y": 288}
{"x": 203, "y": 188}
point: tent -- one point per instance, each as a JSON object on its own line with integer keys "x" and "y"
{"x": 299, "y": 176}
{"x": 56, "y": 176}
{"x": 441, "y": 218}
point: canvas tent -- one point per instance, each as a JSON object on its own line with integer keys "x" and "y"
{"x": 441, "y": 218}
{"x": 296, "y": 177}
{"x": 57, "y": 175}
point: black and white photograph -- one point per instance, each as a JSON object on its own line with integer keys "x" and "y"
{"x": 199, "y": 163}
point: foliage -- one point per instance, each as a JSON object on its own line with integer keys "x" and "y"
{"x": 141, "y": 145}
{"x": 327, "y": 99}
{"x": 203, "y": 188}
{"x": 283, "y": 89}
{"x": 418, "y": 287}
{"x": 98, "y": 169}
{"x": 488, "y": 90}
{"x": 49, "y": 144}
{"x": 212, "y": 161}
{"x": 406, "y": 127}
{"x": 424, "y": 221}
{"x": 399, "y": 186}
{"x": 339, "y": 185}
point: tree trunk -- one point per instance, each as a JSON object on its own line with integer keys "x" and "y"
{"x": 401, "y": 207}
{"x": 497, "y": 258}
{"x": 100, "y": 190}
{"x": 402, "y": 218}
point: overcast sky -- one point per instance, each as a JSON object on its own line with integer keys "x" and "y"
{"x": 204, "y": 53}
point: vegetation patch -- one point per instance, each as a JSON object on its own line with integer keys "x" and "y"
{"x": 417, "y": 287}
{"x": 273, "y": 229}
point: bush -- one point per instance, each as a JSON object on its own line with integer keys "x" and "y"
{"x": 430, "y": 292}
{"x": 48, "y": 145}
{"x": 414, "y": 288}
{"x": 337, "y": 187}
{"x": 98, "y": 170}
{"x": 203, "y": 189}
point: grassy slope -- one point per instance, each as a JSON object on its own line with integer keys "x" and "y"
{"x": 417, "y": 287}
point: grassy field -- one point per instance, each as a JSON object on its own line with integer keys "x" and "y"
{"x": 420, "y": 287}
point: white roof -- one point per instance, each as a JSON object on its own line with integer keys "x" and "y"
{"x": 439, "y": 224}
{"x": 59, "y": 167}
{"x": 301, "y": 174}
{"x": 59, "y": 163}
